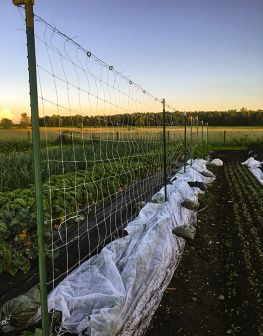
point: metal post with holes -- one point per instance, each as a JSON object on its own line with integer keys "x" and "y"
{"x": 197, "y": 130}
{"x": 37, "y": 160}
{"x": 164, "y": 152}
{"x": 191, "y": 140}
{"x": 185, "y": 120}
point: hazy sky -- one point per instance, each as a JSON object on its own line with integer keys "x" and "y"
{"x": 198, "y": 54}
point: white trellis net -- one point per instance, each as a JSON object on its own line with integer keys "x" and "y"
{"x": 103, "y": 155}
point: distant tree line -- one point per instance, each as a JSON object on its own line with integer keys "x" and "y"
{"x": 25, "y": 122}
{"x": 243, "y": 117}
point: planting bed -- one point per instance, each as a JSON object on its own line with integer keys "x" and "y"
{"x": 217, "y": 288}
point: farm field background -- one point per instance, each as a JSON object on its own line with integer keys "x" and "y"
{"x": 217, "y": 135}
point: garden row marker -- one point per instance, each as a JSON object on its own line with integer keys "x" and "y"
{"x": 37, "y": 160}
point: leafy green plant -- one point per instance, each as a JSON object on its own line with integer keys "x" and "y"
{"x": 201, "y": 150}
{"x": 63, "y": 196}
{"x": 206, "y": 199}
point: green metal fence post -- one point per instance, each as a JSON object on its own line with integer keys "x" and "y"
{"x": 202, "y": 131}
{"x": 197, "y": 130}
{"x": 191, "y": 141}
{"x": 164, "y": 152}
{"x": 37, "y": 159}
{"x": 185, "y": 141}
{"x": 207, "y": 132}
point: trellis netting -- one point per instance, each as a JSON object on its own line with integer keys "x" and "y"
{"x": 102, "y": 154}
{"x": 102, "y": 157}
{"x": 117, "y": 291}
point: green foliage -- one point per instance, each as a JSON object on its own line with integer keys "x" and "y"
{"x": 64, "y": 195}
{"x": 25, "y": 120}
{"x": 8, "y": 147}
{"x": 38, "y": 332}
{"x": 247, "y": 208}
{"x": 201, "y": 150}
{"x": 206, "y": 198}
{"x": 6, "y": 123}
{"x": 243, "y": 117}
{"x": 228, "y": 147}
{"x": 27, "y": 333}
{"x": 17, "y": 168}
{"x": 18, "y": 229}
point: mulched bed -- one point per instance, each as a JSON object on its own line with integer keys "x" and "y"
{"x": 197, "y": 300}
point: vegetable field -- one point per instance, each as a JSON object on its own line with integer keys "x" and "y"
{"x": 88, "y": 194}
{"x": 243, "y": 240}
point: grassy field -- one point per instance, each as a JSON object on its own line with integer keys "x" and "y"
{"x": 217, "y": 135}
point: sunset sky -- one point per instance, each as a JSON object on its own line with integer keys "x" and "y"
{"x": 200, "y": 55}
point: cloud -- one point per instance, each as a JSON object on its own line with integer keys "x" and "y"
{"x": 5, "y": 113}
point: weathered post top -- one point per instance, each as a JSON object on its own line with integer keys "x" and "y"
{"x": 23, "y": 2}
{"x": 29, "y": 10}
{"x": 163, "y": 102}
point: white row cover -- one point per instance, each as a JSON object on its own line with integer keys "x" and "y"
{"x": 118, "y": 291}
{"x": 254, "y": 167}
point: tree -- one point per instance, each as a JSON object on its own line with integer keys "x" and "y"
{"x": 243, "y": 109}
{"x": 6, "y": 123}
{"x": 25, "y": 120}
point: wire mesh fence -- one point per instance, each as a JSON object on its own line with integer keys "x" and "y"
{"x": 107, "y": 148}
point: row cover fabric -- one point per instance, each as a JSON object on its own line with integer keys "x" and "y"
{"x": 117, "y": 291}
{"x": 185, "y": 231}
{"x": 20, "y": 311}
{"x": 217, "y": 162}
{"x": 254, "y": 167}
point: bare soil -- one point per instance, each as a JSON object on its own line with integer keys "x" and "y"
{"x": 195, "y": 302}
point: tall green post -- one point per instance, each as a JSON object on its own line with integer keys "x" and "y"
{"x": 185, "y": 120}
{"x": 191, "y": 140}
{"x": 207, "y": 132}
{"x": 164, "y": 152}
{"x": 197, "y": 130}
{"x": 37, "y": 159}
{"x": 202, "y": 131}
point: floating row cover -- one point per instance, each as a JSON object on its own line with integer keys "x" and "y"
{"x": 117, "y": 291}
{"x": 254, "y": 167}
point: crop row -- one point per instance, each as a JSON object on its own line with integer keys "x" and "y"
{"x": 63, "y": 196}
{"x": 245, "y": 259}
{"x": 17, "y": 168}
{"x": 246, "y": 209}
{"x": 252, "y": 195}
